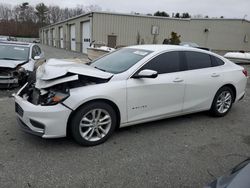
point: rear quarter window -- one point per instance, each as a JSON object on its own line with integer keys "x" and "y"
{"x": 216, "y": 61}
{"x": 219, "y": 61}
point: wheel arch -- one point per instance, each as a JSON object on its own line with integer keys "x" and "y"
{"x": 233, "y": 88}
{"x": 111, "y": 103}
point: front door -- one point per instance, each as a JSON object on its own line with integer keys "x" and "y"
{"x": 160, "y": 96}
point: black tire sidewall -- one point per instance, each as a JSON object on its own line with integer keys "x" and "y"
{"x": 214, "y": 109}
{"x": 74, "y": 126}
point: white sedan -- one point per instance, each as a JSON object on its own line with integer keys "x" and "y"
{"x": 132, "y": 85}
{"x": 17, "y": 61}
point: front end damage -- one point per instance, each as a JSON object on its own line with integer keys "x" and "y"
{"x": 11, "y": 77}
{"x": 39, "y": 104}
{"x": 55, "y": 91}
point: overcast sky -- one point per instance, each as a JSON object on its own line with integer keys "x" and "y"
{"x": 213, "y": 8}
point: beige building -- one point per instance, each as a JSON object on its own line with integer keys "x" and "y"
{"x": 115, "y": 29}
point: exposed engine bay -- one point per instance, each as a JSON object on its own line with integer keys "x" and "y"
{"x": 52, "y": 86}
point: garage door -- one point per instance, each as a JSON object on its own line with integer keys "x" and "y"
{"x": 61, "y": 37}
{"x": 47, "y": 37}
{"x": 72, "y": 37}
{"x": 54, "y": 37}
{"x": 86, "y": 36}
{"x": 50, "y": 37}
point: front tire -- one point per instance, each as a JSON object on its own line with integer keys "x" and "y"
{"x": 222, "y": 102}
{"x": 93, "y": 123}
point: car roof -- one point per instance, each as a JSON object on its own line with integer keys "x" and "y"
{"x": 165, "y": 47}
{"x": 17, "y": 43}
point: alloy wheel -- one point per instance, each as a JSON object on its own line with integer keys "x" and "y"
{"x": 224, "y": 102}
{"x": 95, "y": 125}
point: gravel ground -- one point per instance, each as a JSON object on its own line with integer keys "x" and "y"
{"x": 187, "y": 151}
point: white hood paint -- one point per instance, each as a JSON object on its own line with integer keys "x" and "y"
{"x": 10, "y": 63}
{"x": 51, "y": 72}
{"x": 55, "y": 68}
{"x": 41, "y": 84}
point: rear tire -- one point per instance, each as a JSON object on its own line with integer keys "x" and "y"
{"x": 222, "y": 102}
{"x": 93, "y": 123}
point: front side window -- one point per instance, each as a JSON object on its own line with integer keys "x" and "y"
{"x": 33, "y": 52}
{"x": 38, "y": 50}
{"x": 120, "y": 60}
{"x": 197, "y": 60}
{"x": 11, "y": 52}
{"x": 164, "y": 63}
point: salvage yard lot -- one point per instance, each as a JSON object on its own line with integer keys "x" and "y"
{"x": 187, "y": 151}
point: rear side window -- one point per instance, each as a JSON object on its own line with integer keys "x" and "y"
{"x": 198, "y": 60}
{"x": 164, "y": 63}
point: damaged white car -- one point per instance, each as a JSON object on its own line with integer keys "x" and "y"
{"x": 132, "y": 85}
{"x": 17, "y": 60}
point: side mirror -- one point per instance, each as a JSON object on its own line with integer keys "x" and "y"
{"x": 37, "y": 57}
{"x": 146, "y": 73}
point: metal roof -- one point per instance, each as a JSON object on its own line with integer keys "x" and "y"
{"x": 163, "y": 47}
{"x": 145, "y": 16}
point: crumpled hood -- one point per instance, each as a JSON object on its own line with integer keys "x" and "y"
{"x": 54, "y": 72}
{"x": 10, "y": 63}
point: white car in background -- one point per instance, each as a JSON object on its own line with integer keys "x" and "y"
{"x": 132, "y": 85}
{"x": 17, "y": 61}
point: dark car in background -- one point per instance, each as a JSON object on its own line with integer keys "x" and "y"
{"x": 238, "y": 177}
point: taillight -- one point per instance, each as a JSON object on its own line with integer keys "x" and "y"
{"x": 245, "y": 72}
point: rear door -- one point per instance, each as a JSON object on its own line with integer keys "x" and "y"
{"x": 163, "y": 95}
{"x": 203, "y": 78}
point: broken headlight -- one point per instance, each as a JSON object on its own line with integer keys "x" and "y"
{"x": 19, "y": 72}
{"x": 54, "y": 97}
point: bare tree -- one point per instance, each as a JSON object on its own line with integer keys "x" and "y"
{"x": 25, "y": 20}
{"x": 5, "y": 12}
{"x": 41, "y": 13}
{"x": 54, "y": 14}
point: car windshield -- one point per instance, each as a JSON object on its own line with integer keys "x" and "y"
{"x": 11, "y": 52}
{"x": 120, "y": 60}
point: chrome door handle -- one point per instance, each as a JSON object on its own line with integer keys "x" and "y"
{"x": 215, "y": 75}
{"x": 178, "y": 80}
